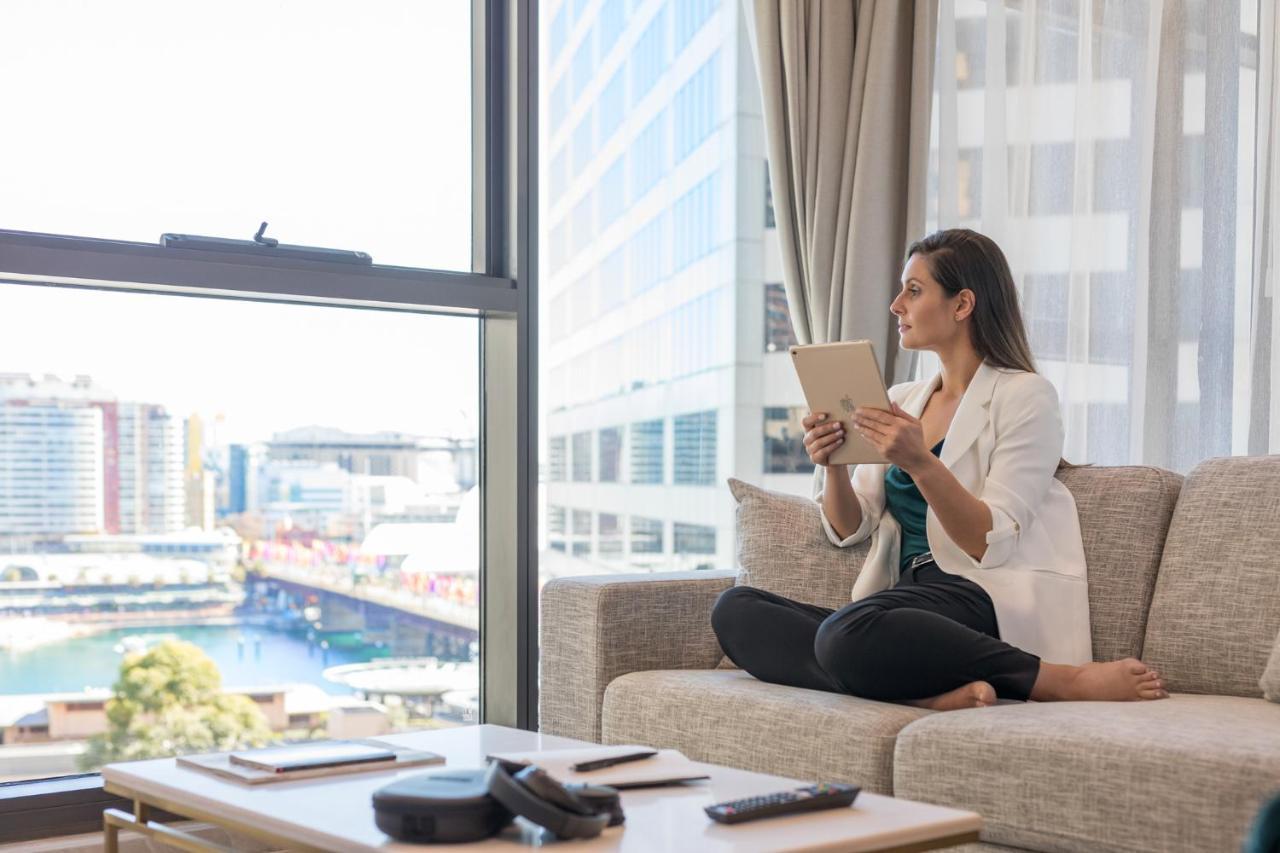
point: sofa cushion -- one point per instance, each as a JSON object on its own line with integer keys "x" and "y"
{"x": 1124, "y": 515}
{"x": 1216, "y": 608}
{"x": 1185, "y": 773}
{"x": 1270, "y": 681}
{"x": 728, "y": 717}
{"x": 783, "y": 549}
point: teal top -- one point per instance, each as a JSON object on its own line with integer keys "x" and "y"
{"x": 902, "y": 497}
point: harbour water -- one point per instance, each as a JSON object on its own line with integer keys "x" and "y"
{"x": 246, "y": 655}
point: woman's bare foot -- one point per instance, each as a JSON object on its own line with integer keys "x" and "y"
{"x": 975, "y": 694}
{"x": 1115, "y": 681}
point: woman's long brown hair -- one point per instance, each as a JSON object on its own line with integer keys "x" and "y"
{"x": 960, "y": 259}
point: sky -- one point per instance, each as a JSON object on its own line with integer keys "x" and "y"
{"x": 343, "y": 124}
{"x": 263, "y": 367}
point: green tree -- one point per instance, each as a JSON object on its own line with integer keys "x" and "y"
{"x": 168, "y": 701}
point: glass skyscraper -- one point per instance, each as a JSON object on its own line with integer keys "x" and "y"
{"x": 663, "y": 371}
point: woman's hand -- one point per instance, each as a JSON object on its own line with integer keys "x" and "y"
{"x": 898, "y": 436}
{"x": 821, "y": 437}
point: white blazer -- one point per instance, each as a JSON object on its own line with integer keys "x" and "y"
{"x": 1003, "y": 446}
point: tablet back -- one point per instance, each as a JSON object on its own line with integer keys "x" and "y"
{"x": 837, "y": 378}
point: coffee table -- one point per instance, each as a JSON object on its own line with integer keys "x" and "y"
{"x": 335, "y": 814}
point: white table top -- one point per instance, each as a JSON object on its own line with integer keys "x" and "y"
{"x": 337, "y": 813}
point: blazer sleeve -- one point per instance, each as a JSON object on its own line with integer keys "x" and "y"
{"x": 1024, "y": 458}
{"x": 864, "y": 490}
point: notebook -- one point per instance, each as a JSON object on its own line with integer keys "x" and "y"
{"x": 220, "y": 764}
{"x": 668, "y": 767}
{"x": 305, "y": 756}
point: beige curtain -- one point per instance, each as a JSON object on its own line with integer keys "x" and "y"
{"x": 1264, "y": 424}
{"x": 846, "y": 88}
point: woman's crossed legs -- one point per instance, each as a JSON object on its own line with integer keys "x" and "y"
{"x": 932, "y": 642}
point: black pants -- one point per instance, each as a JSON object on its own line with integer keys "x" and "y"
{"x": 931, "y": 633}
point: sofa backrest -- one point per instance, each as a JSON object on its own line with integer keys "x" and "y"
{"x": 1124, "y": 516}
{"x": 1216, "y": 609}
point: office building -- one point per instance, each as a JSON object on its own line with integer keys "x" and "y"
{"x": 51, "y": 478}
{"x": 380, "y": 454}
{"x": 664, "y": 365}
{"x": 80, "y": 461}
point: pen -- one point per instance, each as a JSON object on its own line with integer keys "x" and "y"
{"x": 601, "y": 763}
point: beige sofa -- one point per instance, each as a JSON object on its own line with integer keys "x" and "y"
{"x": 1185, "y": 574}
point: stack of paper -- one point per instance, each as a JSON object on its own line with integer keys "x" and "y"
{"x": 665, "y": 768}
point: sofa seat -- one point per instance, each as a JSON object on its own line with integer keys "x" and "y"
{"x": 1185, "y": 773}
{"x": 728, "y": 717}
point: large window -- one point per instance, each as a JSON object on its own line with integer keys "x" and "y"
{"x": 278, "y": 450}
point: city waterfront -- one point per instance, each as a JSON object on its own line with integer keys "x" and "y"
{"x": 247, "y": 655}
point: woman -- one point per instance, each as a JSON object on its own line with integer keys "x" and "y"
{"x": 974, "y": 586}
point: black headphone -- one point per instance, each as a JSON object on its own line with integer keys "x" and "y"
{"x": 450, "y": 806}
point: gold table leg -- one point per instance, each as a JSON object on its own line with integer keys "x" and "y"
{"x": 114, "y": 820}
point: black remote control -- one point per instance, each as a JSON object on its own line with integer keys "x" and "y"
{"x": 810, "y": 798}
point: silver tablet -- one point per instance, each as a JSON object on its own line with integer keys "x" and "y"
{"x": 837, "y": 378}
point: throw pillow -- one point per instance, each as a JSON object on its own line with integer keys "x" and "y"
{"x": 782, "y": 548}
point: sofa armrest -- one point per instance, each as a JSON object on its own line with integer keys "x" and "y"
{"x": 594, "y": 629}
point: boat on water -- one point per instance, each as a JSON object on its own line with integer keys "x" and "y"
{"x": 139, "y": 643}
{"x": 406, "y": 677}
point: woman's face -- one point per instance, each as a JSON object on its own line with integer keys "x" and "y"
{"x": 927, "y": 318}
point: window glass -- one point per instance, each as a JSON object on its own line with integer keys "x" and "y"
{"x": 778, "y": 334}
{"x": 609, "y": 529}
{"x": 690, "y": 16}
{"x": 696, "y": 108}
{"x": 582, "y": 457}
{"x": 646, "y": 536}
{"x": 648, "y": 58}
{"x": 647, "y": 452}
{"x": 208, "y": 493}
{"x": 557, "y": 458}
{"x": 613, "y": 19}
{"x": 612, "y": 105}
{"x": 695, "y": 449}
{"x": 610, "y": 454}
{"x": 318, "y": 116}
{"x": 559, "y": 32}
{"x": 784, "y": 451}
{"x": 693, "y": 539}
{"x": 648, "y": 156}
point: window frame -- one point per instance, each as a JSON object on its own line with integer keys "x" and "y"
{"x": 500, "y": 292}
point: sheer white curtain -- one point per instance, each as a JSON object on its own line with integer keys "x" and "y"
{"x": 1112, "y": 148}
